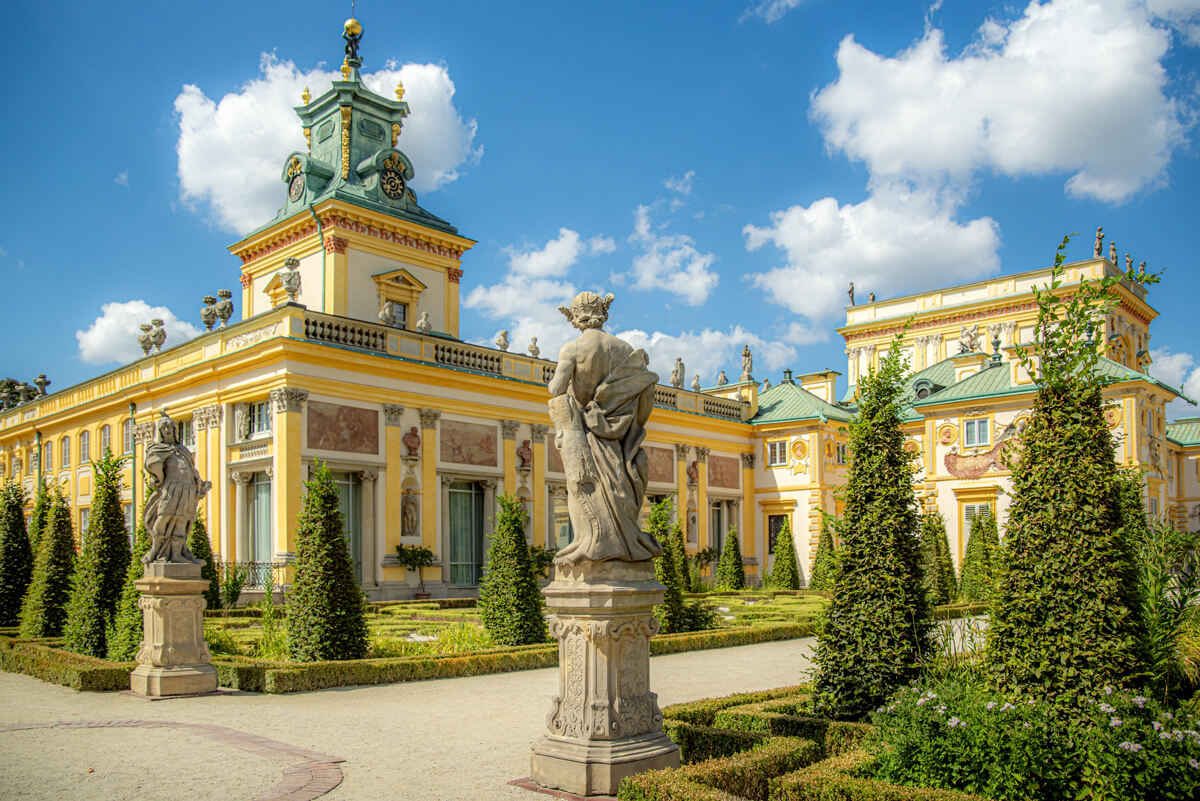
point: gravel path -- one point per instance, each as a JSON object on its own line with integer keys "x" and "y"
{"x": 438, "y": 740}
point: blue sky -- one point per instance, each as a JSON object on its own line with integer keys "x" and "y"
{"x": 724, "y": 168}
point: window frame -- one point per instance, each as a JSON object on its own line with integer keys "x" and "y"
{"x": 127, "y": 437}
{"x": 972, "y": 427}
{"x": 770, "y": 445}
{"x": 105, "y": 439}
{"x": 259, "y": 413}
{"x": 85, "y": 447}
{"x": 64, "y": 452}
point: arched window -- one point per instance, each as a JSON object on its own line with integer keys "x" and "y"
{"x": 47, "y": 457}
{"x": 64, "y": 454}
{"x": 85, "y": 447}
{"x": 105, "y": 439}
{"x": 127, "y": 436}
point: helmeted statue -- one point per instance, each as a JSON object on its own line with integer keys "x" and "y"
{"x": 176, "y": 490}
{"x": 601, "y": 397}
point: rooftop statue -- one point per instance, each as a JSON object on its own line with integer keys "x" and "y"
{"x": 600, "y": 399}
{"x": 176, "y": 490}
{"x": 677, "y": 373}
{"x": 747, "y": 365}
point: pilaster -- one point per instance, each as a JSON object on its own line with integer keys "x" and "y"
{"x": 540, "y": 530}
{"x": 288, "y": 407}
{"x": 370, "y": 561}
{"x": 393, "y": 501}
{"x": 747, "y": 524}
{"x": 508, "y": 431}
{"x": 337, "y": 272}
{"x": 681, "y": 494}
{"x": 429, "y": 486}
{"x": 702, "y": 511}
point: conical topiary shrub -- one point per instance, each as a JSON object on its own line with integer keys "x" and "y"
{"x": 977, "y": 582}
{"x": 103, "y": 561}
{"x": 1063, "y": 621}
{"x": 42, "y": 500}
{"x": 44, "y": 611}
{"x": 876, "y": 628}
{"x": 200, "y": 547}
{"x": 731, "y": 574}
{"x": 326, "y": 611}
{"x": 825, "y": 562}
{"x": 670, "y": 612}
{"x": 16, "y": 558}
{"x": 124, "y": 636}
{"x": 937, "y": 571}
{"x": 785, "y": 575}
{"x": 510, "y": 604}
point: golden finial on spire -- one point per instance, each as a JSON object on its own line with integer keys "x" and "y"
{"x": 399, "y": 90}
{"x": 305, "y": 96}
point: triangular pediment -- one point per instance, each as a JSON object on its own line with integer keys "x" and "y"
{"x": 400, "y": 279}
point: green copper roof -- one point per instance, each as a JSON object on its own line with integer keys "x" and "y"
{"x": 786, "y": 402}
{"x": 1185, "y": 431}
{"x": 1120, "y": 373}
{"x": 989, "y": 382}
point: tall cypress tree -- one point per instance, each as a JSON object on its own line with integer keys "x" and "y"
{"x": 731, "y": 574}
{"x": 937, "y": 569}
{"x": 201, "y": 548}
{"x": 510, "y": 603}
{"x": 1063, "y": 620}
{"x": 785, "y": 575}
{"x": 981, "y": 560}
{"x": 326, "y": 611}
{"x": 44, "y": 611}
{"x": 16, "y": 558}
{"x": 42, "y": 500}
{"x": 124, "y": 636}
{"x": 670, "y": 612}
{"x": 825, "y": 562}
{"x": 876, "y": 627}
{"x": 103, "y": 561}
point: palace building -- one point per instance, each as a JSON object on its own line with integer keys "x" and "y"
{"x": 349, "y": 352}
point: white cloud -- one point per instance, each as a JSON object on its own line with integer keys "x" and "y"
{"x": 770, "y": 10}
{"x": 230, "y": 151}
{"x": 1183, "y": 15}
{"x": 112, "y": 336}
{"x": 681, "y": 188}
{"x": 706, "y": 352}
{"x": 1181, "y": 371}
{"x": 1030, "y": 96}
{"x": 670, "y": 262}
{"x": 897, "y": 240}
{"x": 122, "y": 178}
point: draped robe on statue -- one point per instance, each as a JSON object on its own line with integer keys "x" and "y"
{"x": 599, "y": 423}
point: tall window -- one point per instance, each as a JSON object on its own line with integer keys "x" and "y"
{"x": 185, "y": 434}
{"x": 777, "y": 453}
{"x": 718, "y": 517}
{"x": 400, "y": 316}
{"x": 105, "y": 439}
{"x": 48, "y": 457}
{"x": 349, "y": 489}
{"x": 127, "y": 436}
{"x": 466, "y": 533}
{"x": 129, "y": 527}
{"x": 841, "y": 453}
{"x": 260, "y": 519}
{"x": 64, "y": 456}
{"x": 260, "y": 418}
{"x": 774, "y": 526}
{"x": 971, "y": 511}
{"x": 977, "y": 433}
{"x": 85, "y": 447}
{"x": 84, "y": 516}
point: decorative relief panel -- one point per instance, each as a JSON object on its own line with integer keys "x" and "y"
{"x": 662, "y": 464}
{"x": 723, "y": 472}
{"x": 333, "y": 427}
{"x": 468, "y": 443}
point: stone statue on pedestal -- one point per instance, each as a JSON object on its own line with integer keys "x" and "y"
{"x": 677, "y": 373}
{"x": 176, "y": 491}
{"x": 747, "y": 365}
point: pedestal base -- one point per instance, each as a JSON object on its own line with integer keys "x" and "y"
{"x": 173, "y": 658}
{"x": 158, "y": 682}
{"x": 596, "y": 767}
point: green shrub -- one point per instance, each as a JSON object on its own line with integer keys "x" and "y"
{"x": 956, "y": 735}
{"x": 785, "y": 575}
{"x": 876, "y": 628}
{"x": 16, "y": 558}
{"x": 326, "y": 619}
{"x": 103, "y": 562}
{"x": 1063, "y": 619}
{"x": 125, "y": 636}
{"x": 731, "y": 574}
{"x": 44, "y": 662}
{"x": 697, "y": 743}
{"x": 670, "y": 612}
{"x": 201, "y": 548}
{"x": 233, "y": 579}
{"x": 44, "y": 611}
{"x": 825, "y": 562}
{"x": 273, "y": 641}
{"x": 510, "y": 603}
{"x": 937, "y": 571}
{"x": 982, "y": 557}
{"x": 1169, "y": 609}
{"x": 43, "y": 499}
{"x": 1131, "y": 504}
{"x": 542, "y": 559}
{"x": 839, "y": 778}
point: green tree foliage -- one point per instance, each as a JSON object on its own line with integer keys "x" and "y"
{"x": 124, "y": 636}
{"x": 981, "y": 560}
{"x": 200, "y": 547}
{"x": 937, "y": 569}
{"x": 103, "y": 561}
{"x": 42, "y": 500}
{"x": 825, "y": 562}
{"x": 670, "y": 613}
{"x": 876, "y": 628}
{"x": 1131, "y": 502}
{"x": 785, "y": 574}
{"x": 327, "y": 614}
{"x": 683, "y": 565}
{"x": 731, "y": 574}
{"x": 44, "y": 611}
{"x": 1169, "y": 608}
{"x": 16, "y": 558}
{"x": 510, "y": 604}
{"x": 1063, "y": 619}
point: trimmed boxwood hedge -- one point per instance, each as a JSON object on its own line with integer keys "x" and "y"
{"x": 42, "y": 659}
{"x": 836, "y": 779}
{"x": 738, "y": 776}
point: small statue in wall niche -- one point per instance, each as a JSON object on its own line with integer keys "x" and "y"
{"x": 423, "y": 324}
{"x": 693, "y": 472}
{"x": 721, "y": 379}
{"x": 525, "y": 454}
{"x": 677, "y": 373}
{"x": 412, "y": 441}
{"x": 533, "y": 348}
{"x": 502, "y": 340}
{"x": 409, "y": 516}
{"x": 241, "y": 421}
{"x": 696, "y": 383}
{"x": 1099, "y": 246}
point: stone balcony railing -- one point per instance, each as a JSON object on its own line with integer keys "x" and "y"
{"x": 296, "y": 322}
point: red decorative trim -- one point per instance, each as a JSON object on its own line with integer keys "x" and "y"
{"x": 247, "y": 280}
{"x": 455, "y": 275}
{"x": 335, "y": 244}
{"x": 302, "y": 233}
{"x": 391, "y": 236}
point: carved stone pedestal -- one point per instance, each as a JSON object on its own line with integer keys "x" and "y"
{"x": 173, "y": 659}
{"x": 604, "y": 723}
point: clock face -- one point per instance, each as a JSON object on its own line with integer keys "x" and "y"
{"x": 392, "y": 183}
{"x": 296, "y": 187}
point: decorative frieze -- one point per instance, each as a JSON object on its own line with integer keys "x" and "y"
{"x": 143, "y": 433}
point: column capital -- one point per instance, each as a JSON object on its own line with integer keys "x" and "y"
{"x": 368, "y": 475}
{"x": 288, "y": 399}
{"x": 681, "y": 452}
{"x": 429, "y": 417}
{"x": 393, "y": 414}
{"x": 143, "y": 432}
{"x": 702, "y": 454}
{"x": 206, "y": 417}
{"x": 509, "y": 428}
{"x": 748, "y": 460}
{"x": 241, "y": 477}
{"x": 540, "y": 430}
